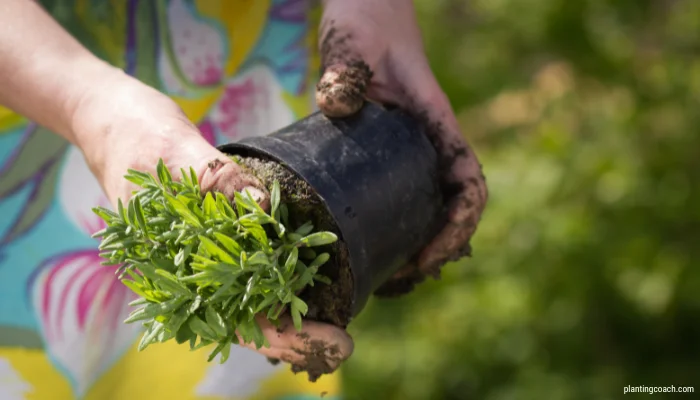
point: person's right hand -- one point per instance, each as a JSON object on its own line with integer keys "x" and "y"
{"x": 374, "y": 50}
{"x": 123, "y": 124}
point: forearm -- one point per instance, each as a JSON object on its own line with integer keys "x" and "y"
{"x": 44, "y": 72}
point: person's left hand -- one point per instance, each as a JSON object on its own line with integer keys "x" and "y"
{"x": 373, "y": 50}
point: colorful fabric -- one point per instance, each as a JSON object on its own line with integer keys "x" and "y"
{"x": 237, "y": 68}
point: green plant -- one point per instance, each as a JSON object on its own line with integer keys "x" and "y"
{"x": 204, "y": 268}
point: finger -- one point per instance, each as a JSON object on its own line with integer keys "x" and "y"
{"x": 451, "y": 244}
{"x": 342, "y": 88}
{"x": 464, "y": 212}
{"x": 221, "y": 174}
{"x": 347, "y": 64}
{"x": 318, "y": 349}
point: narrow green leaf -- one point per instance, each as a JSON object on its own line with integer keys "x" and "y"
{"x": 258, "y": 336}
{"x": 256, "y": 231}
{"x": 284, "y": 214}
{"x": 257, "y": 218}
{"x": 292, "y": 259}
{"x": 193, "y": 178}
{"x": 258, "y": 258}
{"x": 246, "y": 201}
{"x": 184, "y": 334}
{"x": 294, "y": 237}
{"x": 183, "y": 255}
{"x": 229, "y": 244}
{"x": 199, "y": 277}
{"x": 267, "y": 302}
{"x": 138, "y": 302}
{"x": 305, "y": 229}
{"x": 209, "y": 206}
{"x": 109, "y": 240}
{"x": 275, "y": 197}
{"x": 150, "y": 335}
{"x": 224, "y": 206}
{"x": 224, "y": 290}
{"x": 201, "y": 328}
{"x": 215, "y": 321}
{"x": 318, "y": 239}
{"x": 120, "y": 208}
{"x": 195, "y": 305}
{"x": 154, "y": 309}
{"x": 226, "y": 352}
{"x": 163, "y": 173}
{"x": 322, "y": 279}
{"x": 140, "y": 217}
{"x": 296, "y": 318}
{"x": 202, "y": 343}
{"x": 181, "y": 209}
{"x": 135, "y": 179}
{"x": 136, "y": 288}
{"x": 215, "y": 251}
{"x": 320, "y": 260}
{"x": 216, "y": 351}
{"x": 105, "y": 214}
{"x": 300, "y": 305}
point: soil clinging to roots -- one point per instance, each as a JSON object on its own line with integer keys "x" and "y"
{"x": 327, "y": 303}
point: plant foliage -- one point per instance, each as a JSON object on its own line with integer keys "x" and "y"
{"x": 204, "y": 268}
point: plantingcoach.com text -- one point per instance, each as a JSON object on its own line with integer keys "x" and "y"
{"x": 658, "y": 389}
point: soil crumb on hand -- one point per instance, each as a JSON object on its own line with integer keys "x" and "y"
{"x": 319, "y": 358}
{"x": 215, "y": 164}
{"x": 273, "y": 361}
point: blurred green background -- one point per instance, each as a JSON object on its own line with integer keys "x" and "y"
{"x": 585, "y": 273}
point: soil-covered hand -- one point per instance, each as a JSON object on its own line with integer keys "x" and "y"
{"x": 123, "y": 125}
{"x": 373, "y": 50}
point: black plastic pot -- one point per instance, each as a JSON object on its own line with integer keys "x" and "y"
{"x": 377, "y": 174}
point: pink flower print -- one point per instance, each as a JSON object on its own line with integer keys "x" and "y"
{"x": 196, "y": 46}
{"x": 81, "y": 307}
{"x": 236, "y": 103}
{"x": 251, "y": 105}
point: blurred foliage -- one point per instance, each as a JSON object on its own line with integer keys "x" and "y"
{"x": 585, "y": 274}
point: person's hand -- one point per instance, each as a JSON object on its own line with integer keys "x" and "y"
{"x": 123, "y": 124}
{"x": 373, "y": 50}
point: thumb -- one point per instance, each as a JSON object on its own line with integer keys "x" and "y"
{"x": 342, "y": 88}
{"x": 219, "y": 173}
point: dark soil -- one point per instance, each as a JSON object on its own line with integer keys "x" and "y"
{"x": 327, "y": 303}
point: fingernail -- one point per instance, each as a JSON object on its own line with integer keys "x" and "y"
{"x": 255, "y": 193}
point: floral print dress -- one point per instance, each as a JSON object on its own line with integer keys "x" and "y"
{"x": 237, "y": 68}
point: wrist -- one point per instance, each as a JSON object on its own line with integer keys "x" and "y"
{"x": 86, "y": 104}
{"x": 123, "y": 123}
{"x": 115, "y": 100}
